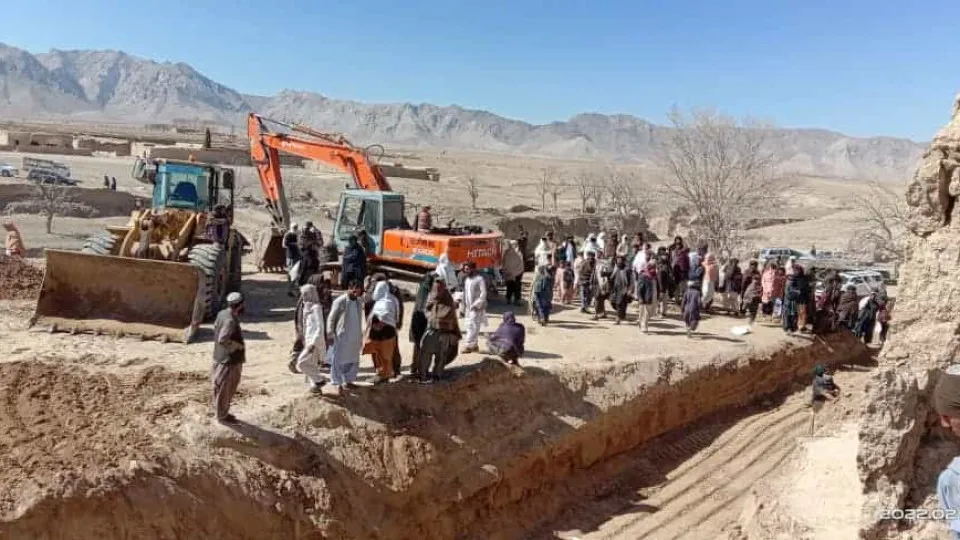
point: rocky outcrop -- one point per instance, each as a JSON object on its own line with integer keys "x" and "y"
{"x": 924, "y": 338}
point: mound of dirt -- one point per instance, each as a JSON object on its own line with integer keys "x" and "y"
{"x": 18, "y": 280}
{"x": 60, "y": 425}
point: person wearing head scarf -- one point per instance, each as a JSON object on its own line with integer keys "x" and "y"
{"x": 768, "y": 281}
{"x": 602, "y": 243}
{"x": 542, "y": 291}
{"x": 587, "y": 279}
{"x": 824, "y": 389}
{"x": 623, "y": 247}
{"x": 752, "y": 291}
{"x": 14, "y": 241}
{"x": 354, "y": 264}
{"x": 447, "y": 272}
{"x": 566, "y": 277}
{"x": 946, "y": 403}
{"x": 511, "y": 266}
{"x": 793, "y": 297}
{"x": 591, "y": 246}
{"x": 603, "y": 289}
{"x": 621, "y": 288}
{"x": 732, "y": 278}
{"x": 508, "y": 340}
{"x": 680, "y": 261}
{"x": 345, "y": 322}
{"x": 570, "y": 250}
{"x": 690, "y": 307}
{"x": 848, "y": 308}
{"x": 440, "y": 341}
{"x": 647, "y": 292}
{"x": 418, "y": 320}
{"x": 543, "y": 255}
{"x": 381, "y": 340}
{"x": 291, "y": 246}
{"x": 665, "y": 283}
{"x": 314, "y": 338}
{"x": 867, "y": 318}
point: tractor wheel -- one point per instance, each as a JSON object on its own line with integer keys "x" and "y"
{"x": 100, "y": 244}
{"x": 211, "y": 259}
{"x": 236, "y": 271}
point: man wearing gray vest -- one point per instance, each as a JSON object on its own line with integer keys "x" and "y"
{"x": 228, "y": 357}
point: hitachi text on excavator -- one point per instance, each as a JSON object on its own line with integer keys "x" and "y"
{"x": 372, "y": 206}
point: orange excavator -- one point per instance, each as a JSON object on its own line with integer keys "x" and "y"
{"x": 372, "y": 206}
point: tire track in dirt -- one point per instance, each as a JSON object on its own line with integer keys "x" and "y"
{"x": 700, "y": 489}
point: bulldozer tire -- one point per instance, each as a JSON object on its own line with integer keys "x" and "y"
{"x": 211, "y": 259}
{"x": 101, "y": 244}
{"x": 235, "y": 266}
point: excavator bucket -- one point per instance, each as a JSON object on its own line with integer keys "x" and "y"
{"x": 121, "y": 296}
{"x": 269, "y": 251}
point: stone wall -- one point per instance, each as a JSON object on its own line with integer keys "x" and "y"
{"x": 925, "y": 337}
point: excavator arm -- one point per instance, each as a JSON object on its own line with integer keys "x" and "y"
{"x": 334, "y": 150}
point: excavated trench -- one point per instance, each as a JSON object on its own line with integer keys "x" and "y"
{"x": 495, "y": 454}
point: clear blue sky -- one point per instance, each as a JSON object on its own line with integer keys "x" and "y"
{"x": 859, "y": 67}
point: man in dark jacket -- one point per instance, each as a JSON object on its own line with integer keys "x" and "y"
{"x": 229, "y": 354}
{"x": 354, "y": 265}
{"x": 291, "y": 246}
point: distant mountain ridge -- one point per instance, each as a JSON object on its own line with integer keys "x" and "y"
{"x": 115, "y": 86}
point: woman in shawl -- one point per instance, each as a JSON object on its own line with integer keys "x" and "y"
{"x": 623, "y": 248}
{"x": 507, "y": 341}
{"x": 867, "y": 319}
{"x": 418, "y": 321}
{"x": 314, "y": 338}
{"x": 733, "y": 286}
{"x": 621, "y": 285}
{"x": 440, "y": 341}
{"x": 382, "y": 331}
{"x": 779, "y": 289}
{"x": 848, "y": 307}
{"x": 711, "y": 276}
{"x": 602, "y": 244}
{"x": 767, "y": 282}
{"x": 691, "y": 306}
{"x": 543, "y": 254}
{"x": 543, "y": 294}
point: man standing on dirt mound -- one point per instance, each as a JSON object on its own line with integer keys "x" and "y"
{"x": 229, "y": 354}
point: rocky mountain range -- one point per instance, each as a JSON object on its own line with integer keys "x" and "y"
{"x": 115, "y": 86}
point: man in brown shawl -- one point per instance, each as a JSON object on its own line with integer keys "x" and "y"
{"x": 440, "y": 341}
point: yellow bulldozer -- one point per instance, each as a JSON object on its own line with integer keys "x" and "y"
{"x": 161, "y": 275}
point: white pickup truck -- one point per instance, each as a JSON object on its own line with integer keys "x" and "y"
{"x": 8, "y": 171}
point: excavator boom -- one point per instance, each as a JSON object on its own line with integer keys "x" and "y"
{"x": 384, "y": 217}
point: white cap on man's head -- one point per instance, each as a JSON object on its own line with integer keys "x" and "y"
{"x": 234, "y": 298}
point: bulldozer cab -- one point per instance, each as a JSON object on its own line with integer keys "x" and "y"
{"x": 192, "y": 186}
{"x": 371, "y": 211}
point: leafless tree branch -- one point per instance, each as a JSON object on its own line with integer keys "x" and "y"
{"x": 472, "y": 185}
{"x": 721, "y": 169}
{"x": 883, "y": 215}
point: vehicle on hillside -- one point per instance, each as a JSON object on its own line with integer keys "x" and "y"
{"x": 49, "y": 178}
{"x": 866, "y": 282}
{"x": 769, "y": 254}
{"x": 8, "y": 171}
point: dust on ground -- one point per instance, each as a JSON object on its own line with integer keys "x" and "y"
{"x": 19, "y": 279}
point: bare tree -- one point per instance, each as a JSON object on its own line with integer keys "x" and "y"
{"x": 584, "y": 182}
{"x": 473, "y": 188}
{"x": 545, "y": 185}
{"x": 54, "y": 200}
{"x": 721, "y": 169}
{"x": 554, "y": 189}
{"x": 883, "y": 215}
{"x": 623, "y": 190}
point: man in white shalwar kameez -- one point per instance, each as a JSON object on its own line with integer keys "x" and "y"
{"x": 346, "y": 323}
{"x": 475, "y": 306}
{"x": 314, "y": 338}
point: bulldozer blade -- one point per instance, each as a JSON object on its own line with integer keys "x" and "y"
{"x": 104, "y": 294}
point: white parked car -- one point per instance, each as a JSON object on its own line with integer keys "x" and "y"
{"x": 8, "y": 171}
{"x": 866, "y": 281}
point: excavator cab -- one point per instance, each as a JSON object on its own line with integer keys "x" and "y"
{"x": 371, "y": 211}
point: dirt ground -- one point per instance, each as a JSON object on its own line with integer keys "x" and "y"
{"x": 602, "y": 433}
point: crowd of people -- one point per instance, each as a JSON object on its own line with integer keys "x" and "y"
{"x": 617, "y": 271}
